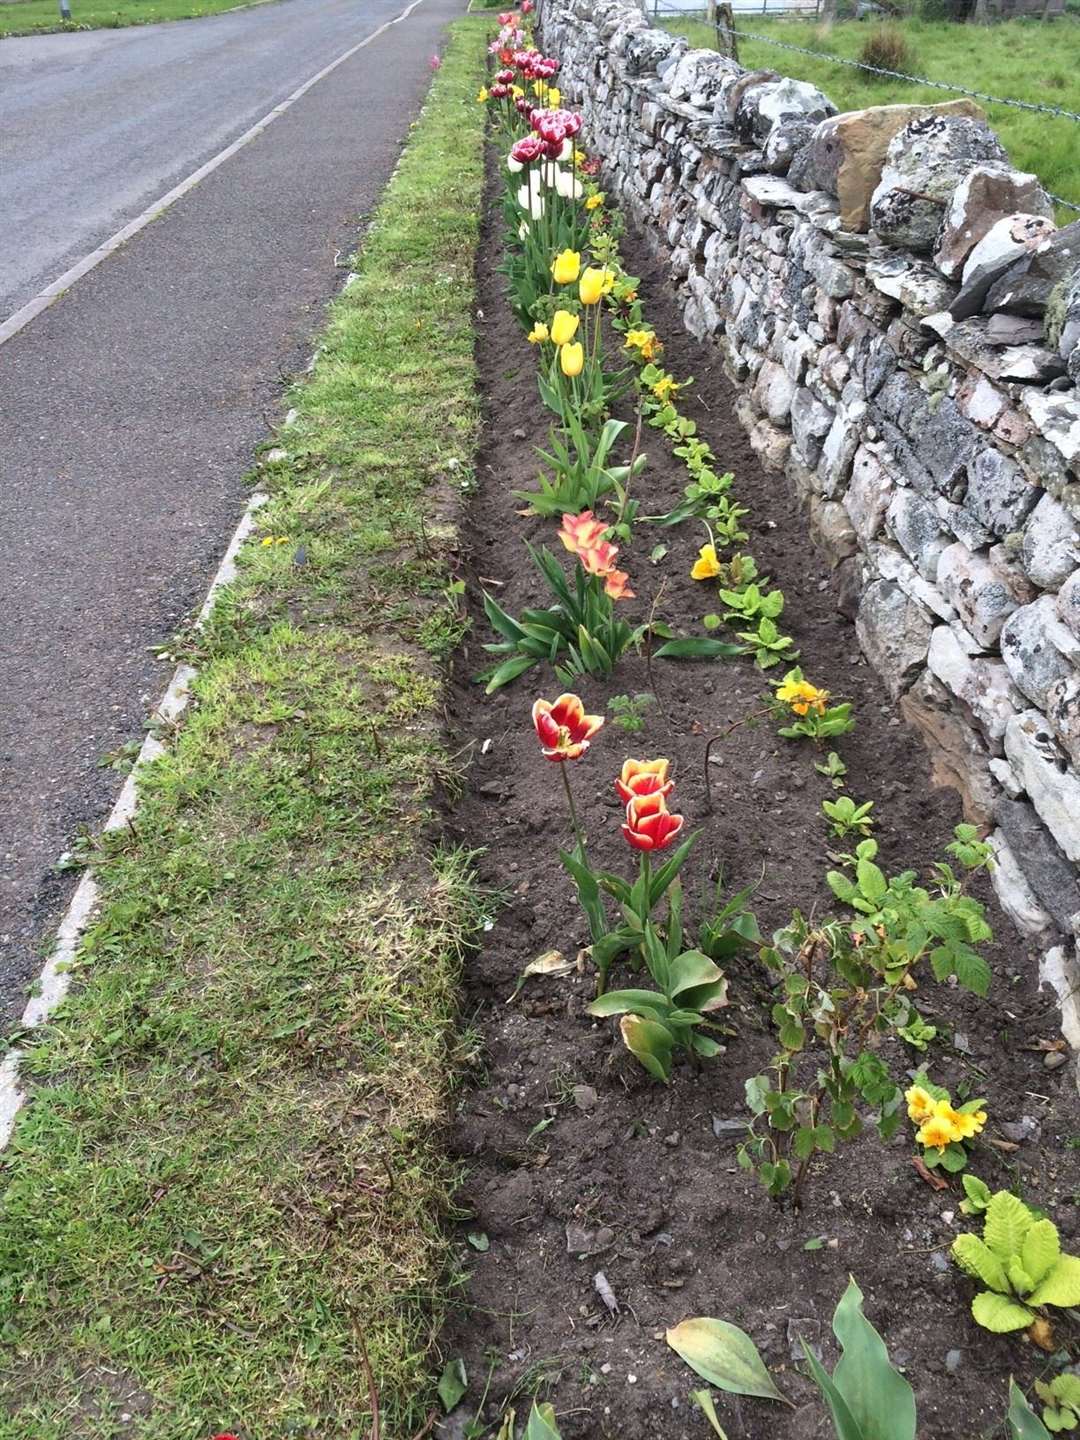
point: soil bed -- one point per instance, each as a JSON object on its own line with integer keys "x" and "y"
{"x": 564, "y": 1129}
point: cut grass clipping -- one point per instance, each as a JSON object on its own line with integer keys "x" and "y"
{"x": 228, "y": 1185}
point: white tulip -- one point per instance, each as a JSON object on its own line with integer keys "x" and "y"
{"x": 513, "y": 165}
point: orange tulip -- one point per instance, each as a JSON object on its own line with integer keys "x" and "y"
{"x": 644, "y": 777}
{"x": 563, "y": 728}
{"x": 617, "y": 585}
{"x": 649, "y": 824}
{"x": 581, "y": 532}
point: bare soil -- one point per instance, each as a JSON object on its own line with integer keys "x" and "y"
{"x": 568, "y": 1145}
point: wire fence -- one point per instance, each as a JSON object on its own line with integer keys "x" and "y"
{"x": 1034, "y": 106}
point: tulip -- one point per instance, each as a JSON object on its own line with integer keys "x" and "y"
{"x": 649, "y": 824}
{"x": 567, "y": 184}
{"x": 563, "y": 728}
{"x": 572, "y": 359}
{"x": 617, "y": 585}
{"x": 526, "y": 150}
{"x": 523, "y": 230}
{"x": 529, "y": 199}
{"x": 594, "y": 283}
{"x": 644, "y": 777}
{"x": 580, "y": 533}
{"x": 554, "y": 96}
{"x": 599, "y": 559}
{"x": 566, "y": 267}
{"x": 538, "y": 334}
{"x": 564, "y": 327}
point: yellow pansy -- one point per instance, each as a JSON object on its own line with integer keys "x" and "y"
{"x": 571, "y": 359}
{"x": 566, "y": 267}
{"x": 482, "y": 95}
{"x": 539, "y": 333}
{"x": 706, "y": 566}
{"x": 803, "y": 697}
{"x": 564, "y": 327}
{"x": 594, "y": 201}
{"x": 594, "y": 283}
{"x": 920, "y": 1103}
{"x": 644, "y": 342}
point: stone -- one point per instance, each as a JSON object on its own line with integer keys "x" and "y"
{"x": 700, "y": 77}
{"x": 983, "y": 686}
{"x": 868, "y": 494}
{"x": 646, "y": 50}
{"x": 763, "y": 107}
{"x": 1068, "y": 328}
{"x": 1051, "y": 877}
{"x": 894, "y": 633}
{"x": 981, "y": 402}
{"x": 784, "y": 142}
{"x": 1054, "y": 789}
{"x": 1014, "y": 330}
{"x": 1059, "y": 969}
{"x": 957, "y": 758}
{"x": 831, "y": 529}
{"x": 983, "y": 196}
{"x": 1016, "y": 896}
{"x": 774, "y": 391}
{"x": 918, "y": 287}
{"x": 891, "y": 564}
{"x": 1025, "y": 287}
{"x": 924, "y": 163}
{"x": 810, "y": 423}
{"x": 999, "y": 494}
{"x": 1063, "y": 711}
{"x": 1057, "y": 417}
{"x": 770, "y": 445}
{"x": 837, "y": 453}
{"x": 1034, "y": 661}
{"x": 981, "y": 598}
{"x": 846, "y": 155}
{"x": 1068, "y": 603}
{"x": 915, "y": 527}
{"x": 1049, "y": 550}
{"x": 1003, "y": 244}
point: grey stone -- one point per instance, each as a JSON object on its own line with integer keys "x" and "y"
{"x": 784, "y": 142}
{"x": 1052, "y": 787}
{"x": 914, "y": 525}
{"x": 1063, "y": 711}
{"x": 1068, "y": 603}
{"x": 763, "y": 107}
{"x": 914, "y": 283}
{"x": 894, "y": 633}
{"x": 1003, "y": 244}
{"x": 983, "y": 196}
{"x": 983, "y": 686}
{"x": 1067, "y": 329}
{"x": 868, "y": 494}
{"x": 1051, "y": 877}
{"x": 1014, "y": 330}
{"x": 810, "y": 423}
{"x": 957, "y": 755}
{"x": 774, "y": 391}
{"x": 999, "y": 493}
{"x": 1025, "y": 287}
{"x": 1015, "y": 894}
{"x": 1057, "y": 417}
{"x": 923, "y": 166}
{"x": 981, "y": 598}
{"x": 1034, "y": 662}
{"x": 837, "y": 454}
{"x": 646, "y": 50}
{"x": 1050, "y": 544}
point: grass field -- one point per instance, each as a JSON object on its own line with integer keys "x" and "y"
{"x": 1021, "y": 60}
{"x": 29, "y": 17}
{"x": 227, "y": 1192}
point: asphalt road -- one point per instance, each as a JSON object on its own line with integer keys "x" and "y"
{"x": 129, "y": 410}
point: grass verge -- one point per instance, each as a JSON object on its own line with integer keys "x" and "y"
{"x": 42, "y": 17}
{"x": 1018, "y": 59}
{"x": 229, "y": 1182}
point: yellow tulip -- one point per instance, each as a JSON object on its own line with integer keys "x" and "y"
{"x": 482, "y": 95}
{"x": 566, "y": 267}
{"x": 554, "y": 97}
{"x": 564, "y": 327}
{"x": 572, "y": 359}
{"x": 538, "y": 334}
{"x": 593, "y": 284}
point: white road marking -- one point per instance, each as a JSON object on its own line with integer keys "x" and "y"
{"x": 44, "y": 298}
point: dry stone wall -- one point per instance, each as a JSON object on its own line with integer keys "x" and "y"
{"x": 902, "y": 316}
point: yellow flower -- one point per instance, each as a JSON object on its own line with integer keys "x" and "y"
{"x": 920, "y": 1103}
{"x": 594, "y": 201}
{"x": 482, "y": 95}
{"x": 275, "y": 540}
{"x": 554, "y": 97}
{"x": 539, "y": 333}
{"x": 664, "y": 388}
{"x": 572, "y": 359}
{"x": 538, "y": 87}
{"x": 516, "y": 91}
{"x": 644, "y": 342}
{"x": 967, "y": 1126}
{"x": 566, "y": 267}
{"x": 706, "y": 566}
{"x": 937, "y": 1132}
{"x": 802, "y": 696}
{"x": 593, "y": 284}
{"x": 564, "y": 327}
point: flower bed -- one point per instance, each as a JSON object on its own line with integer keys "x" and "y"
{"x": 624, "y": 1176}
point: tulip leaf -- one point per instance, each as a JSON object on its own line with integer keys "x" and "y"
{"x": 650, "y": 1042}
{"x": 704, "y": 1401}
{"x": 1024, "y": 1424}
{"x": 541, "y": 1424}
{"x": 698, "y": 647}
{"x": 844, "y": 1423}
{"x": 880, "y": 1399}
{"x": 621, "y": 1002}
{"x": 453, "y": 1383}
{"x": 725, "y": 1356}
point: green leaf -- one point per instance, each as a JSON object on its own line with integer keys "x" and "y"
{"x": 1024, "y": 1424}
{"x": 977, "y": 1259}
{"x": 541, "y": 1424}
{"x": 704, "y": 1401}
{"x": 650, "y": 1042}
{"x": 1061, "y": 1285}
{"x": 692, "y": 647}
{"x": 725, "y": 1356}
{"x": 844, "y": 1423}
{"x": 871, "y": 880}
{"x": 841, "y": 886}
{"x": 1041, "y": 1250}
{"x": 620, "y": 1002}
{"x": 453, "y": 1383}
{"x": 691, "y": 969}
{"x": 478, "y": 1240}
{"x": 880, "y": 1400}
{"x": 999, "y": 1314}
{"x": 1007, "y": 1222}
{"x": 977, "y": 1191}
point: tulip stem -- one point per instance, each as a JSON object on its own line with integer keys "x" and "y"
{"x": 573, "y": 810}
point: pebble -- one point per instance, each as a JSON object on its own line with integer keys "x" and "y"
{"x": 1054, "y": 1059}
{"x": 672, "y": 1140}
{"x": 585, "y": 1097}
{"x": 953, "y": 1359}
{"x": 938, "y": 1262}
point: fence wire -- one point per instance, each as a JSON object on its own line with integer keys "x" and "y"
{"x": 1032, "y": 105}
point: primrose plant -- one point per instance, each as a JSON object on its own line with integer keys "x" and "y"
{"x": 846, "y": 982}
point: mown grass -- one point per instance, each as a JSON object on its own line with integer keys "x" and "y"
{"x": 30, "y": 17}
{"x": 1020, "y": 59}
{"x": 229, "y": 1182}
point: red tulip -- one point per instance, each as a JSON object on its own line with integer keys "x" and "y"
{"x": 507, "y": 17}
{"x": 644, "y": 777}
{"x": 649, "y": 823}
{"x": 527, "y": 150}
{"x": 563, "y": 727}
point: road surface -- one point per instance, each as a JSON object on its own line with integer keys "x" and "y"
{"x": 130, "y": 408}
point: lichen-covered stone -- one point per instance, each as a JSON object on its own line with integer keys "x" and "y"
{"x": 915, "y": 526}
{"x": 1025, "y": 287}
{"x": 1050, "y": 550}
{"x": 1052, "y": 787}
{"x": 984, "y": 195}
{"x": 983, "y": 686}
{"x": 894, "y": 633}
{"x": 1007, "y": 240}
{"x": 980, "y": 596}
{"x": 999, "y": 492}
{"x": 1045, "y": 868}
{"x": 1033, "y": 660}
{"x": 923, "y": 166}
